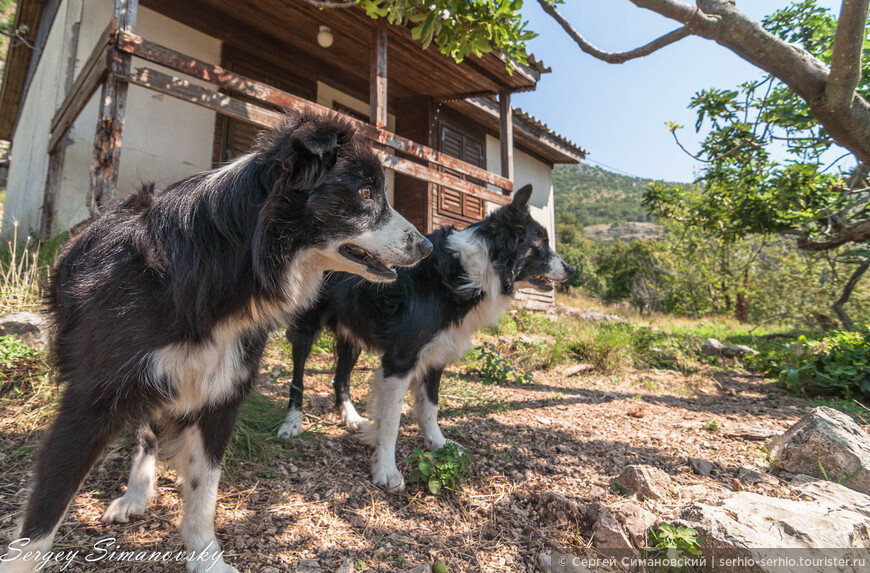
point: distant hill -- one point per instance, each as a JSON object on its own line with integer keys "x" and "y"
{"x": 594, "y": 196}
{"x": 627, "y": 231}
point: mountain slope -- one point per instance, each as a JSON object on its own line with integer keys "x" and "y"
{"x": 588, "y": 195}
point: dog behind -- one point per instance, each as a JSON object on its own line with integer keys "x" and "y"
{"x": 163, "y": 305}
{"x": 422, "y": 322}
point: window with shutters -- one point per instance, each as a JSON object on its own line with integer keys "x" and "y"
{"x": 464, "y": 146}
{"x": 234, "y": 137}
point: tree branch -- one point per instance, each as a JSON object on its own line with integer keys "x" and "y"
{"x": 847, "y": 292}
{"x": 613, "y": 57}
{"x": 806, "y": 75}
{"x": 846, "y": 58}
{"x": 854, "y": 233}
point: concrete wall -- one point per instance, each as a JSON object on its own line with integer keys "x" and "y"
{"x": 29, "y": 163}
{"x": 164, "y": 139}
{"x": 527, "y": 169}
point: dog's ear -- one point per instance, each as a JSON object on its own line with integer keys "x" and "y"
{"x": 522, "y": 197}
{"x": 306, "y": 148}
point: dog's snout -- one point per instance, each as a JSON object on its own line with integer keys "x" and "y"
{"x": 568, "y": 269}
{"x": 424, "y": 247}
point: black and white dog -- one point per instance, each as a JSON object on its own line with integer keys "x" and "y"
{"x": 422, "y": 322}
{"x": 163, "y": 305}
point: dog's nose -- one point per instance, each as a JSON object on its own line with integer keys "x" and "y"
{"x": 568, "y": 269}
{"x": 424, "y": 247}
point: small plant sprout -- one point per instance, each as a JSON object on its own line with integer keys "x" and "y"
{"x": 678, "y": 544}
{"x": 444, "y": 470}
{"x": 712, "y": 425}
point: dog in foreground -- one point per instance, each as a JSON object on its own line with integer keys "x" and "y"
{"x": 163, "y": 305}
{"x": 421, "y": 323}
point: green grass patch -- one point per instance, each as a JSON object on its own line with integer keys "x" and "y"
{"x": 254, "y": 435}
{"x": 442, "y": 471}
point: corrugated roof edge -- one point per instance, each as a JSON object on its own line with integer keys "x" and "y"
{"x": 558, "y": 140}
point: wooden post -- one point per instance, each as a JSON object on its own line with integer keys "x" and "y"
{"x": 378, "y": 76}
{"x": 113, "y": 107}
{"x": 506, "y": 134}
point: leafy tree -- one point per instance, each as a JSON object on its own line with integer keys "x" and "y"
{"x": 744, "y": 190}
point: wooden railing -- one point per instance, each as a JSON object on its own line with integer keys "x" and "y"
{"x": 100, "y": 67}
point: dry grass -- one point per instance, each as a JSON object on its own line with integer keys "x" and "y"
{"x": 20, "y": 272}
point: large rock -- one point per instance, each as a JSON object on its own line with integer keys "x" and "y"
{"x": 825, "y": 438}
{"x": 747, "y": 525}
{"x": 31, "y": 327}
{"x": 713, "y": 347}
{"x": 635, "y": 521}
{"x": 645, "y": 481}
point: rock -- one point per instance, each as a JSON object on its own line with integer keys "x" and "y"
{"x": 712, "y": 347}
{"x": 835, "y": 495}
{"x": 31, "y": 327}
{"x": 597, "y": 492}
{"x": 308, "y": 566}
{"x": 609, "y": 397}
{"x": 748, "y": 475}
{"x": 645, "y": 481}
{"x": 545, "y": 562}
{"x": 738, "y": 350}
{"x": 555, "y": 508}
{"x": 635, "y": 520}
{"x": 702, "y": 467}
{"x": 347, "y": 567}
{"x": 577, "y": 369}
{"x": 607, "y": 533}
{"x": 825, "y": 438}
{"x": 747, "y": 525}
{"x": 421, "y": 568}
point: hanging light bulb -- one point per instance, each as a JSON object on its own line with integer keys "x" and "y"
{"x": 324, "y": 37}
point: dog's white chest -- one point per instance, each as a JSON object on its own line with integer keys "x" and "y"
{"x": 205, "y": 373}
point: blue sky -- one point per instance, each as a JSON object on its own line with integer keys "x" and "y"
{"x": 617, "y": 112}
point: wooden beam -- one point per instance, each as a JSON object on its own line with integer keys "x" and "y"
{"x": 204, "y": 97}
{"x": 152, "y": 52}
{"x": 378, "y": 75}
{"x": 113, "y": 109}
{"x": 506, "y": 134}
{"x": 92, "y": 73}
{"x": 49, "y": 197}
{"x": 425, "y": 173}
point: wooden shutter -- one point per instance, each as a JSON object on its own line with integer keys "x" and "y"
{"x": 456, "y": 204}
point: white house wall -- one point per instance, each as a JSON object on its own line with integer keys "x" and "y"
{"x": 527, "y": 169}
{"x": 164, "y": 139}
{"x": 29, "y": 163}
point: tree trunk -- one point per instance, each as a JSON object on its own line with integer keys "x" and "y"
{"x": 847, "y": 292}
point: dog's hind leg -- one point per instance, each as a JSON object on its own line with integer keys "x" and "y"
{"x": 79, "y": 434}
{"x": 302, "y": 336}
{"x": 426, "y": 409}
{"x": 197, "y": 454}
{"x": 348, "y": 354}
{"x": 140, "y": 485}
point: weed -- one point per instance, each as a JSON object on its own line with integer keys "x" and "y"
{"x": 495, "y": 369}
{"x": 616, "y": 488}
{"x": 679, "y": 544}
{"x": 446, "y": 469}
{"x": 712, "y": 425}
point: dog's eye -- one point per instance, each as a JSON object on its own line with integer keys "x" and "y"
{"x": 365, "y": 192}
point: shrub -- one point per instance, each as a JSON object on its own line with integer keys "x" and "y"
{"x": 495, "y": 369}
{"x": 678, "y": 544}
{"x": 837, "y": 364}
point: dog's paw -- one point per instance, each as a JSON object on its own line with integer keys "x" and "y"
{"x": 351, "y": 418}
{"x": 292, "y": 425}
{"x": 388, "y": 478}
{"x": 123, "y": 508}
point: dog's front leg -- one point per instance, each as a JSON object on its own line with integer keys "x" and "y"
{"x": 198, "y": 460}
{"x": 388, "y": 395}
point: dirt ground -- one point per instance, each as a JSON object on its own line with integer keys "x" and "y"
{"x": 314, "y": 501}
